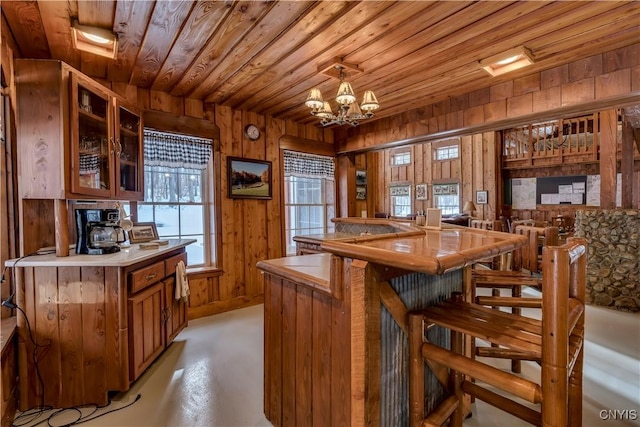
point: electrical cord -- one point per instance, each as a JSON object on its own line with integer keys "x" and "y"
{"x": 81, "y": 417}
{"x": 35, "y": 413}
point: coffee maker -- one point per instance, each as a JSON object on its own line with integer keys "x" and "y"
{"x": 97, "y": 231}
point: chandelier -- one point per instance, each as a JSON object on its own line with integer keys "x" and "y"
{"x": 348, "y": 112}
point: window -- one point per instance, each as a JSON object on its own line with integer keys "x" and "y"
{"x": 400, "y": 200}
{"x": 445, "y": 197}
{"x": 309, "y": 196}
{"x": 176, "y": 171}
{"x": 447, "y": 153}
{"x": 400, "y": 158}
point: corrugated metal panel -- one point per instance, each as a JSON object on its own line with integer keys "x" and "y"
{"x": 416, "y": 290}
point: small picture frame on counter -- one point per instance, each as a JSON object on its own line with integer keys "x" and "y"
{"x": 143, "y": 232}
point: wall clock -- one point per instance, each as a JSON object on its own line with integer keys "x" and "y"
{"x": 252, "y": 132}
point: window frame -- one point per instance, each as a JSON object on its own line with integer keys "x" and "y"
{"x": 392, "y": 199}
{"x": 200, "y": 128}
{"x": 437, "y": 194}
{"x": 327, "y": 225}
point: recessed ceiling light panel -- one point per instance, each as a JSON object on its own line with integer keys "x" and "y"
{"x": 505, "y": 62}
{"x": 94, "y": 40}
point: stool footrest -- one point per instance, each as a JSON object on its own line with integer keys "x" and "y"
{"x": 524, "y": 389}
{"x": 442, "y": 413}
{"x": 527, "y": 414}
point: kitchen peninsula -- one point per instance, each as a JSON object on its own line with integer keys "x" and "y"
{"x": 336, "y": 349}
{"x": 98, "y": 321}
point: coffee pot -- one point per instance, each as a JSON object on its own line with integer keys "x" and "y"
{"x": 98, "y": 231}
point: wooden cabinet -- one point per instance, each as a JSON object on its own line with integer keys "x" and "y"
{"x": 155, "y": 316}
{"x": 77, "y": 139}
{"x": 146, "y": 323}
{"x": 101, "y": 326}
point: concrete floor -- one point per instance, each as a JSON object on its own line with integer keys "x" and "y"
{"x": 212, "y": 375}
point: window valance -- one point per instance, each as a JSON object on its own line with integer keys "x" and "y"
{"x": 308, "y": 165}
{"x": 176, "y": 151}
{"x": 445, "y": 189}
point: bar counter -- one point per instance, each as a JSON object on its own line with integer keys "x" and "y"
{"x": 336, "y": 350}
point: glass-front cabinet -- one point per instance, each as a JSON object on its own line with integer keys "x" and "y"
{"x": 106, "y": 148}
{"x": 128, "y": 152}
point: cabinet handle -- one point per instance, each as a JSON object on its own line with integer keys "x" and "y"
{"x": 150, "y": 276}
{"x": 119, "y": 147}
{"x": 113, "y": 146}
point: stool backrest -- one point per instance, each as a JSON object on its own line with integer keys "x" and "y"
{"x": 517, "y": 222}
{"x": 486, "y": 224}
{"x": 538, "y": 237}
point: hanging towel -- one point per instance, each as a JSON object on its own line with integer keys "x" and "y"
{"x": 182, "y": 284}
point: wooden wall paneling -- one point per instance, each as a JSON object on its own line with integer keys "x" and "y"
{"x": 38, "y": 228}
{"x": 321, "y": 358}
{"x": 272, "y": 346}
{"x": 418, "y": 175}
{"x": 162, "y": 101}
{"x": 44, "y": 327}
{"x": 608, "y": 149}
{"x": 489, "y": 165}
{"x": 386, "y": 178}
{"x": 237, "y": 212}
{"x": 289, "y": 309}
{"x": 30, "y": 392}
{"x": 346, "y": 186}
{"x": 373, "y": 190}
{"x": 626, "y": 164}
{"x": 223, "y": 118}
{"x": 71, "y": 316}
{"x": 93, "y": 333}
{"x": 275, "y": 207}
{"x": 428, "y": 172}
{"x": 360, "y": 163}
{"x": 304, "y": 349}
{"x": 466, "y": 160}
{"x": 127, "y": 91}
{"x": 254, "y": 219}
{"x": 116, "y": 324}
{"x": 341, "y": 351}
{"x": 478, "y": 174}
{"x": 193, "y": 108}
{"x": 144, "y": 99}
{"x": 410, "y": 169}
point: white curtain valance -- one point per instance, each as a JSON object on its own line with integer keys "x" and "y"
{"x": 308, "y": 165}
{"x": 176, "y": 151}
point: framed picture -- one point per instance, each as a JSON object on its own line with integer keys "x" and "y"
{"x": 143, "y": 232}
{"x": 361, "y": 192}
{"x": 481, "y": 197}
{"x": 248, "y": 178}
{"x": 421, "y": 192}
{"x": 361, "y": 177}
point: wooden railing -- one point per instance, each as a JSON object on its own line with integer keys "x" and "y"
{"x": 573, "y": 140}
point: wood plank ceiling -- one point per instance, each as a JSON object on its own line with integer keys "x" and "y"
{"x": 263, "y": 56}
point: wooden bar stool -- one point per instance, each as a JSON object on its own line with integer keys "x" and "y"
{"x": 493, "y": 225}
{"x": 556, "y": 340}
{"x": 524, "y": 270}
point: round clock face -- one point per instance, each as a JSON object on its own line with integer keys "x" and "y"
{"x": 252, "y": 132}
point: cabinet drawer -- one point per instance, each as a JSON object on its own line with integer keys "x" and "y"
{"x": 142, "y": 278}
{"x": 170, "y": 263}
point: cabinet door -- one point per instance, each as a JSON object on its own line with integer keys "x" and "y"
{"x": 146, "y": 328}
{"x": 92, "y": 146}
{"x": 129, "y": 156}
{"x": 176, "y": 310}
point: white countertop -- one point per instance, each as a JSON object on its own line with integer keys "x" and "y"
{"x": 124, "y": 258}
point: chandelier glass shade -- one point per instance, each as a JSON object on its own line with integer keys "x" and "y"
{"x": 348, "y": 112}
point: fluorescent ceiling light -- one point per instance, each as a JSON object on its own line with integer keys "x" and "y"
{"x": 510, "y": 60}
{"x": 94, "y": 40}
